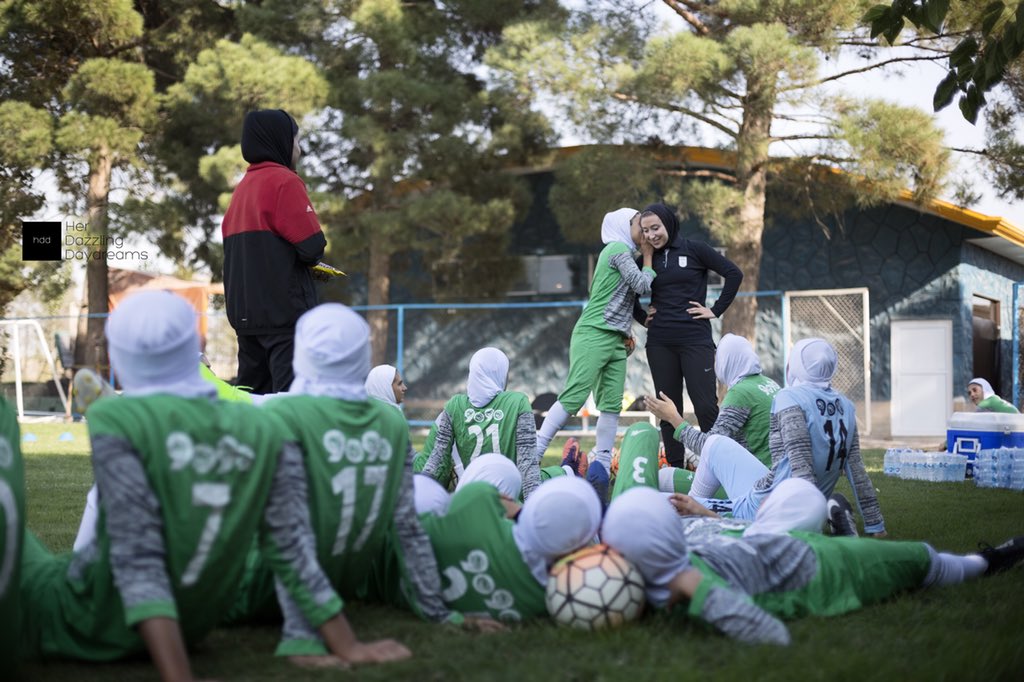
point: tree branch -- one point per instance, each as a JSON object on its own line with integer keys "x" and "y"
{"x": 623, "y": 97}
{"x": 964, "y": 150}
{"x": 787, "y": 138}
{"x": 688, "y": 16}
{"x": 869, "y": 67}
{"x": 718, "y": 175}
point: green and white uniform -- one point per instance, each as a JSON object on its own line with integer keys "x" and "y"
{"x": 750, "y": 582}
{"x": 745, "y": 415}
{"x": 184, "y": 486}
{"x": 482, "y": 569}
{"x": 505, "y": 425}
{"x": 996, "y": 404}
{"x": 597, "y": 355}
{"x": 360, "y": 491}
{"x": 12, "y": 523}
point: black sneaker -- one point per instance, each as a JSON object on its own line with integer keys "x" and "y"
{"x": 840, "y": 516}
{"x": 1005, "y": 556}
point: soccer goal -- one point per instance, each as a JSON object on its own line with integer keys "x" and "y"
{"x": 840, "y": 316}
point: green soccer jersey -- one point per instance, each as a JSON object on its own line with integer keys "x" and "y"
{"x": 482, "y": 570}
{"x": 753, "y": 395}
{"x": 12, "y": 521}
{"x": 354, "y": 452}
{"x": 186, "y": 485}
{"x": 481, "y": 430}
{"x": 994, "y": 403}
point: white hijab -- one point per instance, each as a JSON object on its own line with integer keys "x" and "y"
{"x": 496, "y": 469}
{"x": 379, "y": 384}
{"x": 986, "y": 388}
{"x": 615, "y": 227}
{"x": 561, "y": 516}
{"x": 794, "y": 504}
{"x": 332, "y": 353}
{"x": 488, "y": 373}
{"x": 813, "y": 362}
{"x": 429, "y": 496}
{"x": 154, "y": 346}
{"x": 735, "y": 359}
{"x": 643, "y": 525}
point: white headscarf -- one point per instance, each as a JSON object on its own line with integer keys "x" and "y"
{"x": 488, "y": 373}
{"x": 332, "y": 353}
{"x": 560, "y": 516}
{"x": 812, "y": 361}
{"x": 496, "y": 469}
{"x": 380, "y": 384}
{"x": 735, "y": 359}
{"x": 154, "y": 346}
{"x": 794, "y": 504}
{"x": 429, "y": 496}
{"x": 986, "y": 388}
{"x": 615, "y": 227}
{"x": 643, "y": 525}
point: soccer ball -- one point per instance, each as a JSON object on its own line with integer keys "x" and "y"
{"x": 594, "y": 588}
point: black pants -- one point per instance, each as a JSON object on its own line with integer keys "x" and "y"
{"x": 265, "y": 362}
{"x": 671, "y": 366}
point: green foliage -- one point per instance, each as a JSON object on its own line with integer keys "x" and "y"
{"x": 619, "y": 176}
{"x": 29, "y": 135}
{"x": 993, "y": 39}
{"x": 717, "y": 204}
{"x": 890, "y": 147}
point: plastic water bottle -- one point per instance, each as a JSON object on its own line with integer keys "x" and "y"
{"x": 1017, "y": 475}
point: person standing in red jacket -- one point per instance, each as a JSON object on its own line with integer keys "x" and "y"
{"x": 271, "y": 238}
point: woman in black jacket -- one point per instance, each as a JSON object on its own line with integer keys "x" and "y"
{"x": 679, "y": 344}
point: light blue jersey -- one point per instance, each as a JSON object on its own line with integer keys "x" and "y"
{"x": 830, "y": 420}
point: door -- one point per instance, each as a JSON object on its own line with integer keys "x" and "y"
{"x": 922, "y": 376}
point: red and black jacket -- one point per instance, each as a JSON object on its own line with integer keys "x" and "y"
{"x": 271, "y": 237}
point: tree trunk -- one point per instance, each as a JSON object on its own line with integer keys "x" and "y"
{"x": 379, "y": 290}
{"x": 96, "y": 265}
{"x": 751, "y": 179}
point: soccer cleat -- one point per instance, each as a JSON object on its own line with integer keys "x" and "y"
{"x": 88, "y": 387}
{"x": 597, "y": 476}
{"x": 840, "y": 516}
{"x": 1005, "y": 556}
{"x": 662, "y": 459}
{"x": 574, "y": 457}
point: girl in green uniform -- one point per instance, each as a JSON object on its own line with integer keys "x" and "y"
{"x": 744, "y": 586}
{"x": 185, "y": 483}
{"x": 485, "y": 419}
{"x": 597, "y": 351}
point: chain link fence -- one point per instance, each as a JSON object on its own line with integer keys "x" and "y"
{"x": 840, "y": 316}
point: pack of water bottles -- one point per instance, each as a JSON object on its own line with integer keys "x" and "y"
{"x": 1000, "y": 468}
{"x": 918, "y": 465}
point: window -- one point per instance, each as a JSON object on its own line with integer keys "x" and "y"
{"x": 544, "y": 275}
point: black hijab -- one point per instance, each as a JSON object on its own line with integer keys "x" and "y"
{"x": 668, "y": 219}
{"x": 269, "y": 135}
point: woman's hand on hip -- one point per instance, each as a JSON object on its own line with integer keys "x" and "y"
{"x": 700, "y": 312}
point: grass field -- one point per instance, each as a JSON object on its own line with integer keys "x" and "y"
{"x": 967, "y": 632}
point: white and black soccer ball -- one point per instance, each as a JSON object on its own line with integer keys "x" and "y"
{"x": 594, "y": 588}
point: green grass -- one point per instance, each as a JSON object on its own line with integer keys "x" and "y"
{"x": 966, "y": 632}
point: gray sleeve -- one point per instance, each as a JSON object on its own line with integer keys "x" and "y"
{"x": 636, "y": 279}
{"x": 526, "y": 452}
{"x": 693, "y": 438}
{"x": 796, "y": 443}
{"x": 443, "y": 440}
{"x": 421, "y": 565}
{"x": 863, "y": 488}
{"x": 730, "y": 423}
{"x": 739, "y": 618}
{"x": 288, "y": 547}
{"x": 133, "y": 523}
